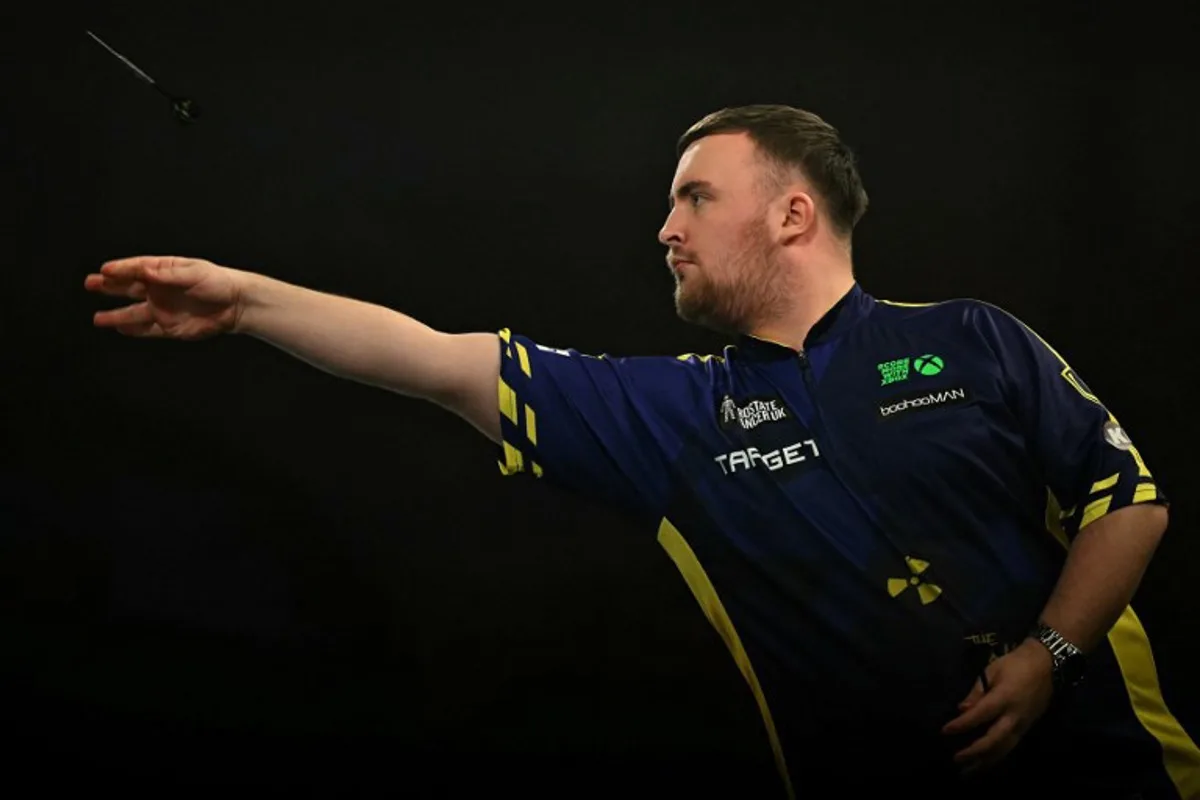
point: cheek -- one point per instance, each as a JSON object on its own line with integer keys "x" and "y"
{"x": 718, "y": 239}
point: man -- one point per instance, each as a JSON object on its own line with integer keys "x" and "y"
{"x": 913, "y": 524}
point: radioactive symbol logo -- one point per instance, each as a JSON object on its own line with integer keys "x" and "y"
{"x": 928, "y": 592}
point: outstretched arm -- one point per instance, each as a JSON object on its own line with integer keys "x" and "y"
{"x": 185, "y": 298}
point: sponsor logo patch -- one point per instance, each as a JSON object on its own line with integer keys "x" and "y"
{"x": 897, "y": 370}
{"x": 1115, "y": 435}
{"x": 922, "y": 401}
{"x": 794, "y": 454}
{"x": 751, "y": 413}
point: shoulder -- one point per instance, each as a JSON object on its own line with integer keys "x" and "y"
{"x": 955, "y": 312}
{"x": 997, "y": 330}
{"x": 666, "y": 374}
{"x": 676, "y": 377}
{"x": 956, "y": 316}
{"x": 984, "y": 327}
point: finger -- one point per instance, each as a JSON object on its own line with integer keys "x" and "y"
{"x": 144, "y": 330}
{"x": 114, "y": 287}
{"x": 128, "y": 268}
{"x": 993, "y": 757}
{"x": 136, "y": 314}
{"x": 988, "y": 745}
{"x": 986, "y": 709}
{"x": 972, "y": 697}
{"x": 160, "y": 269}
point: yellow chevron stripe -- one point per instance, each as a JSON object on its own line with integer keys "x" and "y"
{"x": 1131, "y": 646}
{"x": 513, "y": 461}
{"x": 1095, "y": 510}
{"x": 531, "y": 425}
{"x": 1181, "y": 757}
{"x": 523, "y": 355}
{"x": 1144, "y": 493}
{"x": 1054, "y": 518}
{"x": 706, "y": 594}
{"x": 1107, "y": 483}
{"x": 508, "y": 401}
{"x": 1143, "y": 472}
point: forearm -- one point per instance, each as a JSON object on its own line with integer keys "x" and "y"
{"x": 345, "y": 337}
{"x": 1104, "y": 566}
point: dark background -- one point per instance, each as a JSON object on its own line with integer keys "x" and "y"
{"x": 220, "y": 566}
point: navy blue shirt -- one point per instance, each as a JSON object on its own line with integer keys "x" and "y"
{"x": 857, "y": 519}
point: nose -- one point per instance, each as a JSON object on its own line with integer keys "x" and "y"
{"x": 671, "y": 233}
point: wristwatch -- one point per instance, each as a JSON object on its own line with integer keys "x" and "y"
{"x": 1069, "y": 662}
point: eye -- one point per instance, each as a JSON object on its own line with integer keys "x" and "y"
{"x": 695, "y": 198}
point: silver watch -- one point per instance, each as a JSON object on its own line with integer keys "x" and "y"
{"x": 1069, "y": 662}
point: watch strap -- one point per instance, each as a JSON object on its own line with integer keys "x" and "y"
{"x": 1061, "y": 649}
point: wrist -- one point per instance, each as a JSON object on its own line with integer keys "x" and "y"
{"x": 1039, "y": 651}
{"x": 1040, "y": 656}
{"x": 251, "y": 292}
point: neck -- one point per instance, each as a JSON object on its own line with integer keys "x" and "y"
{"x": 816, "y": 288}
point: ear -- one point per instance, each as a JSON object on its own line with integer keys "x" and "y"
{"x": 799, "y": 216}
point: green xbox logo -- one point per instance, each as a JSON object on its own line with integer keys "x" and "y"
{"x": 897, "y": 369}
{"x": 928, "y": 364}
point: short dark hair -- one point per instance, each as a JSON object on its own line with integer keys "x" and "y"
{"x": 791, "y": 137}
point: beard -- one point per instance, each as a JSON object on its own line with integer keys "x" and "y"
{"x": 733, "y": 294}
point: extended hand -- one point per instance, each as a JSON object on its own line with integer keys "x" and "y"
{"x": 1021, "y": 687}
{"x": 181, "y": 298}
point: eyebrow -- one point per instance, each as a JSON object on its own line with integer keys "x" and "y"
{"x": 686, "y": 189}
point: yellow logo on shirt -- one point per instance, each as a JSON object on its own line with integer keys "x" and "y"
{"x": 928, "y": 592}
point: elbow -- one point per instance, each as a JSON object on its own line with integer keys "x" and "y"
{"x": 1159, "y": 519}
{"x": 1150, "y": 521}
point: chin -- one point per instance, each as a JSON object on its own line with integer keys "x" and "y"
{"x": 703, "y": 318}
{"x": 695, "y": 305}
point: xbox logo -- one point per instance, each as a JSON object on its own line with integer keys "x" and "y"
{"x": 928, "y": 364}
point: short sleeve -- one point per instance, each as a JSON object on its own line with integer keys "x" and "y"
{"x": 604, "y": 427}
{"x": 1089, "y": 462}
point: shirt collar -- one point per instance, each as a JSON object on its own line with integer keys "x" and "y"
{"x": 852, "y": 308}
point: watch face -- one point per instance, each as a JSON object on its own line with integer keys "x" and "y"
{"x": 1073, "y": 668}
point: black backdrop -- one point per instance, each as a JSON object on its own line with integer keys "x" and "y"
{"x": 220, "y": 565}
